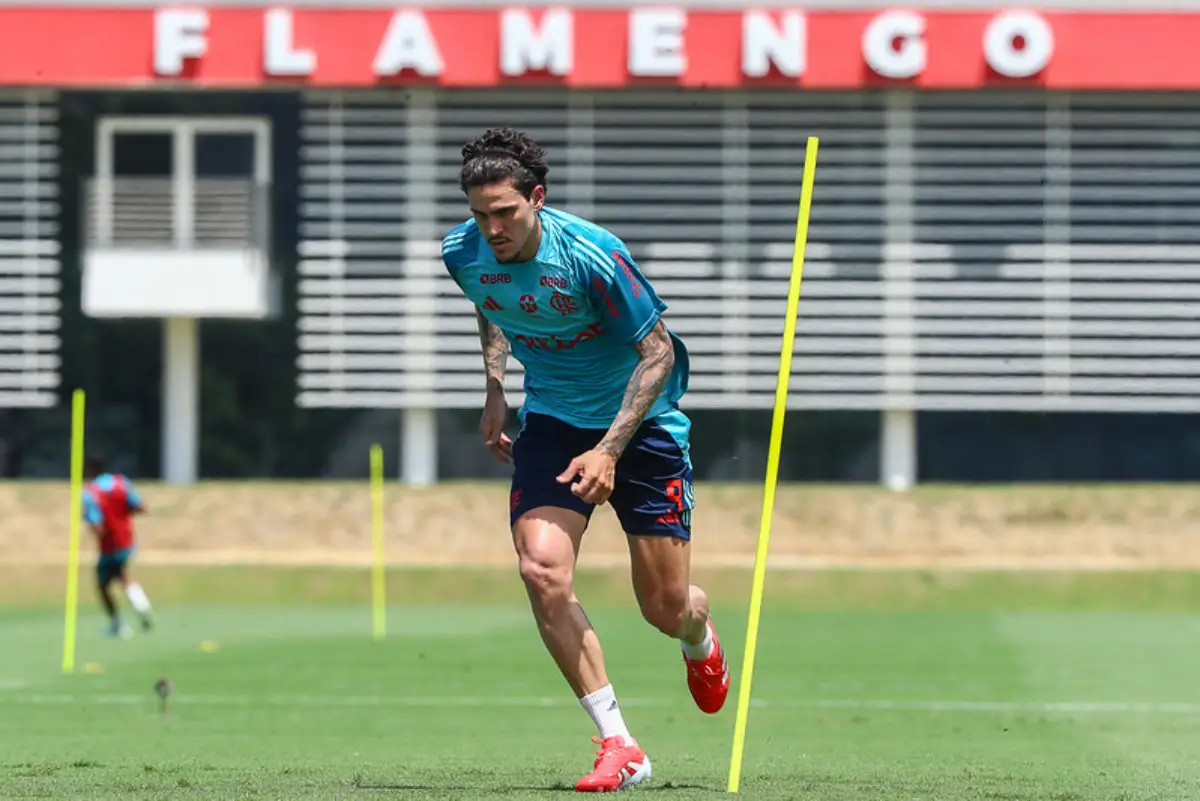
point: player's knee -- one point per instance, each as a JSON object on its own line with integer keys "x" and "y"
{"x": 666, "y": 609}
{"x": 546, "y": 581}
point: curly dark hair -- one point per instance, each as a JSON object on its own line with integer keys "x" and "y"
{"x": 504, "y": 154}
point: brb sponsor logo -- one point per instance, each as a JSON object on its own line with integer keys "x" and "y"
{"x": 554, "y": 343}
{"x": 553, "y": 281}
{"x": 495, "y": 278}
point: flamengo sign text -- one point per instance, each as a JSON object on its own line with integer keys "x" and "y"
{"x": 607, "y": 48}
{"x": 1015, "y": 44}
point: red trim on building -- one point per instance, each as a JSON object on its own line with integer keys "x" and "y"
{"x": 243, "y": 47}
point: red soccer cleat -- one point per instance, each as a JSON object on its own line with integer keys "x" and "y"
{"x": 619, "y": 764}
{"x": 708, "y": 679}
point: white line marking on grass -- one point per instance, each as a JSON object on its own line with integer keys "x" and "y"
{"x": 986, "y": 707}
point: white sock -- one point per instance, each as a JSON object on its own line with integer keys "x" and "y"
{"x": 700, "y": 650}
{"x": 137, "y": 597}
{"x": 605, "y": 712}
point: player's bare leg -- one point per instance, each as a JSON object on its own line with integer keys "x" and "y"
{"x": 115, "y": 627}
{"x": 106, "y": 599}
{"x": 138, "y": 600}
{"x": 547, "y": 544}
{"x": 661, "y": 568}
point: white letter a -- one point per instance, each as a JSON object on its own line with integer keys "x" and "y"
{"x": 408, "y": 44}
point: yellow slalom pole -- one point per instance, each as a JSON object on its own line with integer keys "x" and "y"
{"x": 764, "y": 531}
{"x": 75, "y": 506}
{"x": 378, "y": 577}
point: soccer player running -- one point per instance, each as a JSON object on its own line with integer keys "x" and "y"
{"x": 600, "y": 423}
{"x": 109, "y": 503}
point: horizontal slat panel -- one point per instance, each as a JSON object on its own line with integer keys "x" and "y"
{"x": 29, "y": 211}
{"x": 469, "y": 361}
{"x": 350, "y": 343}
{"x": 796, "y": 402}
{"x": 28, "y": 399}
{"x": 966, "y": 251}
{"x": 41, "y": 363}
{"x": 28, "y": 377}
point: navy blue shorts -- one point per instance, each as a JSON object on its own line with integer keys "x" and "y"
{"x": 653, "y": 495}
{"x": 111, "y": 565}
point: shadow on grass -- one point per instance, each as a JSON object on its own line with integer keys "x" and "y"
{"x": 554, "y": 788}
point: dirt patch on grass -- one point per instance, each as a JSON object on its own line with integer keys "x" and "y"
{"x": 458, "y": 523}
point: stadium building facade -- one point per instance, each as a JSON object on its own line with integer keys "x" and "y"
{"x": 1006, "y": 217}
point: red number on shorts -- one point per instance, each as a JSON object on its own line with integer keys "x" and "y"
{"x": 675, "y": 492}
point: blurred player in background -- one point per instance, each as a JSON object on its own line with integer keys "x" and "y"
{"x": 109, "y": 503}
{"x": 600, "y": 423}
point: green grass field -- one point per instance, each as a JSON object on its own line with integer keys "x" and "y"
{"x": 869, "y": 686}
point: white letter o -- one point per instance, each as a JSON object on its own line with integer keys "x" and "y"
{"x": 1006, "y": 59}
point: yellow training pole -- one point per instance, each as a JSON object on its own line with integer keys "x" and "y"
{"x": 378, "y": 577}
{"x": 764, "y": 531}
{"x": 75, "y": 506}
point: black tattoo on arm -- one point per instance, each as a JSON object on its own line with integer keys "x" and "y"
{"x": 656, "y": 358}
{"x": 495, "y": 350}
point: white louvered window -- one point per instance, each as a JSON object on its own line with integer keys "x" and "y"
{"x": 1063, "y": 231}
{"x": 967, "y": 251}
{"x": 839, "y": 345}
{"x": 355, "y": 166}
{"x": 29, "y": 250}
{"x": 967, "y": 326}
{"x": 1132, "y": 270}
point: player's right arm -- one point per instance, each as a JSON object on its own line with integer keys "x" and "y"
{"x": 92, "y": 514}
{"x": 495, "y": 351}
{"x": 459, "y": 248}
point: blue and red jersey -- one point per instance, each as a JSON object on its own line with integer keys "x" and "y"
{"x": 108, "y": 503}
{"x": 572, "y": 315}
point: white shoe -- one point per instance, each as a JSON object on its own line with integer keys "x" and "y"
{"x": 122, "y": 631}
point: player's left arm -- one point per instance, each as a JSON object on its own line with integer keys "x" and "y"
{"x": 656, "y": 359}
{"x": 631, "y": 310}
{"x": 134, "y": 499}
